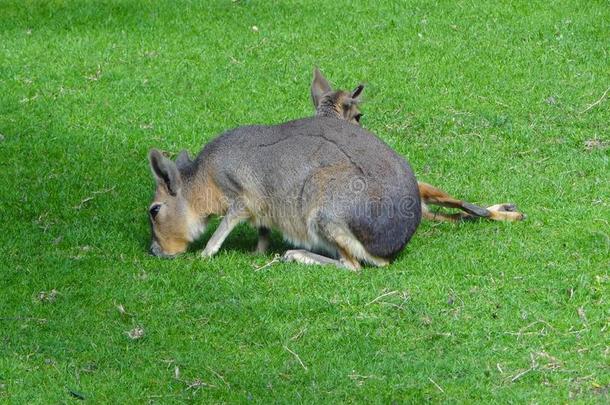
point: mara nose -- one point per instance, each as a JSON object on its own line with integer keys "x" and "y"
{"x": 155, "y": 250}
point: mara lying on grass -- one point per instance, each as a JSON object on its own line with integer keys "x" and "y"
{"x": 341, "y": 105}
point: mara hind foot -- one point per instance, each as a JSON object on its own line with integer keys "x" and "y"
{"x": 505, "y": 212}
{"x": 431, "y": 195}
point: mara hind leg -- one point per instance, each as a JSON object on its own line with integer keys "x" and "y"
{"x": 350, "y": 250}
{"x": 441, "y": 217}
{"x": 346, "y": 259}
{"x": 498, "y": 212}
{"x": 264, "y": 236}
{"x": 432, "y": 195}
{"x": 306, "y": 257}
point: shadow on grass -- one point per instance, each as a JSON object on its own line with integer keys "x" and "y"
{"x": 243, "y": 239}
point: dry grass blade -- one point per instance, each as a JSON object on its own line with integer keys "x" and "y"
{"x": 597, "y": 102}
{"x": 297, "y": 357}
{"x": 299, "y": 334}
{"x": 380, "y": 297}
{"x": 436, "y": 385}
{"x": 219, "y": 376}
{"x": 521, "y": 374}
{"x": 550, "y": 363}
{"x": 94, "y": 194}
{"x": 198, "y": 383}
{"x": 275, "y": 259}
{"x": 523, "y": 330}
{"x": 361, "y": 379}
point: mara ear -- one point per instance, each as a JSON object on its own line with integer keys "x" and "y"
{"x": 183, "y": 161}
{"x": 319, "y": 87}
{"x": 354, "y": 97}
{"x": 357, "y": 91}
{"x": 165, "y": 171}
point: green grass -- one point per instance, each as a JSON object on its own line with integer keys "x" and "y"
{"x": 485, "y": 99}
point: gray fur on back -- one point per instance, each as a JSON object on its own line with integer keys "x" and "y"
{"x": 316, "y": 171}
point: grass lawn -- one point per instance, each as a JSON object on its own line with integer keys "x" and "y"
{"x": 491, "y": 101}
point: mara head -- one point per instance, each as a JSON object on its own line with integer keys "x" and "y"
{"x": 174, "y": 223}
{"x": 335, "y": 103}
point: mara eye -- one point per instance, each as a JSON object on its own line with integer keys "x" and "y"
{"x": 357, "y": 117}
{"x": 154, "y": 210}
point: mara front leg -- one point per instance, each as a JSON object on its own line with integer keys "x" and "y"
{"x": 232, "y": 218}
